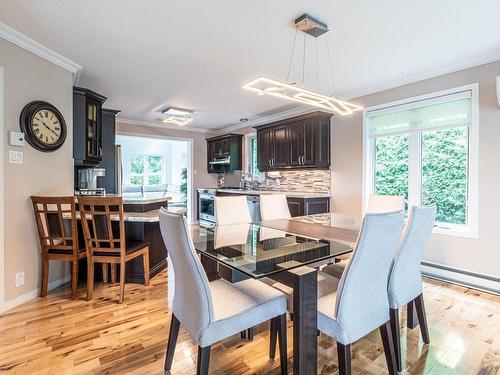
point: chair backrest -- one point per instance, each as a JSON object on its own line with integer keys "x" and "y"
{"x": 385, "y": 203}
{"x": 56, "y": 223}
{"x": 192, "y": 302}
{"x": 405, "y": 280}
{"x": 274, "y": 206}
{"x": 97, "y": 216}
{"x": 232, "y": 210}
{"x": 362, "y": 304}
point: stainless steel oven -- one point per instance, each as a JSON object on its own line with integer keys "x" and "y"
{"x": 206, "y": 206}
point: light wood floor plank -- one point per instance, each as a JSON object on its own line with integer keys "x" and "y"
{"x": 57, "y": 335}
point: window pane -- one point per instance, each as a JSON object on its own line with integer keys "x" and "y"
{"x": 255, "y": 170}
{"x": 154, "y": 163}
{"x": 391, "y": 165}
{"x": 137, "y": 164}
{"x": 154, "y": 179}
{"x": 137, "y": 179}
{"x": 444, "y": 173}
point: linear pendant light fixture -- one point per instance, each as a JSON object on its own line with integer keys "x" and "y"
{"x": 177, "y": 116}
{"x": 291, "y": 91}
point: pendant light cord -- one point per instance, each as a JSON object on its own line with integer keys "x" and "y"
{"x": 291, "y": 57}
{"x": 330, "y": 62}
{"x": 304, "y": 57}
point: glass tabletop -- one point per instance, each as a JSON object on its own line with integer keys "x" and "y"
{"x": 259, "y": 251}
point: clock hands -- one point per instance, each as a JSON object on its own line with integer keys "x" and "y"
{"x": 48, "y": 127}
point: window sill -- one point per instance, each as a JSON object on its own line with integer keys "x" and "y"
{"x": 455, "y": 232}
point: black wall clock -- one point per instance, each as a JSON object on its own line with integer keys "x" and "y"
{"x": 43, "y": 126}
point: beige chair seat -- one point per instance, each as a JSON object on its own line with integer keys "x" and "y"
{"x": 238, "y": 306}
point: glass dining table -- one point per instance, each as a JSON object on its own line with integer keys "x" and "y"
{"x": 236, "y": 252}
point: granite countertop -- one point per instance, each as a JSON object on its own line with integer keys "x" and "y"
{"x": 138, "y": 198}
{"x": 330, "y": 219}
{"x": 152, "y": 216}
{"x": 291, "y": 194}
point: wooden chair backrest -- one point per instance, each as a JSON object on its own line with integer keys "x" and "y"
{"x": 98, "y": 230}
{"x": 56, "y": 223}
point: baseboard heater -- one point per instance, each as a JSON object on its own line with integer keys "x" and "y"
{"x": 485, "y": 283}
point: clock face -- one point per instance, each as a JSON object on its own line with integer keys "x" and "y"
{"x": 43, "y": 126}
{"x": 46, "y": 127}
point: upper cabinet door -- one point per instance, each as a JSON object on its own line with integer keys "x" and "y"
{"x": 322, "y": 142}
{"x": 310, "y": 141}
{"x": 281, "y": 154}
{"x": 264, "y": 149}
{"x": 296, "y": 141}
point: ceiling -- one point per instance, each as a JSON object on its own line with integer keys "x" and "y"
{"x": 149, "y": 55}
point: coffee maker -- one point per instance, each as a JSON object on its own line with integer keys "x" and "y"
{"x": 87, "y": 181}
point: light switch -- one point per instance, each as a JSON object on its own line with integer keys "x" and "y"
{"x": 15, "y": 157}
{"x": 16, "y": 138}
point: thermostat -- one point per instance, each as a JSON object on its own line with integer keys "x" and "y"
{"x": 16, "y": 138}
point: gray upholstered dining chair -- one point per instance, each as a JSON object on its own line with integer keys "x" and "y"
{"x": 274, "y": 206}
{"x": 376, "y": 204}
{"x": 357, "y": 304}
{"x": 405, "y": 280}
{"x": 212, "y": 311}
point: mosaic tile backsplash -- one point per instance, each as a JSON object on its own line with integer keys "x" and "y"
{"x": 315, "y": 180}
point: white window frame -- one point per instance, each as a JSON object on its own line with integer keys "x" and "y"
{"x": 248, "y": 155}
{"x": 129, "y": 173}
{"x": 414, "y": 179}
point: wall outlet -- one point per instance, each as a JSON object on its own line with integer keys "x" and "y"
{"x": 15, "y": 157}
{"x": 19, "y": 279}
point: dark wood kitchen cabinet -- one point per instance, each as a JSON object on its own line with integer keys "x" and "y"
{"x": 295, "y": 143}
{"x": 228, "y": 147}
{"x": 87, "y": 126}
{"x": 308, "y": 206}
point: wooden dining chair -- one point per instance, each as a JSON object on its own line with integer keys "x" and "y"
{"x": 104, "y": 232}
{"x": 57, "y": 230}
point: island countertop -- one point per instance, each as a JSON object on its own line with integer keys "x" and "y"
{"x": 138, "y": 198}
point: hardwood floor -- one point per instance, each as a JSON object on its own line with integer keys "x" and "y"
{"x": 56, "y": 335}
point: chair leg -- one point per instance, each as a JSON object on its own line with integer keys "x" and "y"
{"x": 90, "y": 279}
{"x": 172, "y": 341}
{"x": 104, "y": 273}
{"x": 74, "y": 278}
{"x": 411, "y": 317}
{"x": 203, "y": 360}
{"x": 273, "y": 335}
{"x": 281, "y": 324}
{"x": 390, "y": 357}
{"x": 422, "y": 319}
{"x": 396, "y": 337}
{"x": 344, "y": 358}
{"x": 122, "y": 281}
{"x": 145, "y": 261}
{"x": 45, "y": 276}
{"x": 243, "y": 334}
{"x": 250, "y": 334}
{"x": 113, "y": 273}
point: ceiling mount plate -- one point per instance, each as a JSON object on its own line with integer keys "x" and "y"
{"x": 311, "y": 25}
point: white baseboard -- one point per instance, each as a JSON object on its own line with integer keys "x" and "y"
{"x": 33, "y": 294}
{"x": 469, "y": 279}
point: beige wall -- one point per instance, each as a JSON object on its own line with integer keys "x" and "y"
{"x": 201, "y": 178}
{"x": 477, "y": 255}
{"x": 28, "y": 77}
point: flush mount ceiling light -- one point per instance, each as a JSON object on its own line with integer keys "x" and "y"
{"x": 177, "y": 116}
{"x": 267, "y": 86}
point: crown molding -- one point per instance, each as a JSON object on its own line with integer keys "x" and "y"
{"x": 162, "y": 125}
{"x": 21, "y": 40}
{"x": 432, "y": 73}
{"x": 301, "y": 110}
